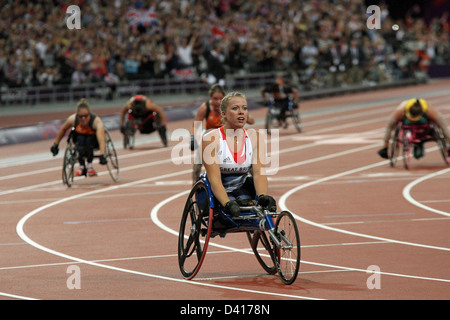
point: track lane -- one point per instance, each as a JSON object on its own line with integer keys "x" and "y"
{"x": 310, "y": 283}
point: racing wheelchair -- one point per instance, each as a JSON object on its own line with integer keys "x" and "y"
{"x": 145, "y": 125}
{"x": 406, "y": 136}
{"x": 71, "y": 155}
{"x": 273, "y": 237}
{"x": 274, "y": 113}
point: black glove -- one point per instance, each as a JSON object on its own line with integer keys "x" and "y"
{"x": 383, "y": 153}
{"x": 192, "y": 142}
{"x": 267, "y": 202}
{"x": 122, "y": 129}
{"x": 103, "y": 160}
{"x": 232, "y": 208}
{"x": 54, "y": 149}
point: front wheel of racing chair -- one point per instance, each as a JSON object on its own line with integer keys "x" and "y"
{"x": 287, "y": 251}
{"x": 129, "y": 134}
{"x": 111, "y": 157}
{"x": 394, "y": 147}
{"x": 272, "y": 114}
{"x": 195, "y": 230}
{"x": 69, "y": 161}
{"x": 406, "y": 148}
{"x": 295, "y": 115}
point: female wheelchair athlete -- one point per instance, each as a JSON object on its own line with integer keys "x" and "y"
{"x": 71, "y": 155}
{"x": 407, "y": 136}
{"x": 281, "y": 111}
{"x": 274, "y": 237}
{"x": 146, "y": 125}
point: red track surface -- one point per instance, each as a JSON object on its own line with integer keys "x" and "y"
{"x": 353, "y": 210}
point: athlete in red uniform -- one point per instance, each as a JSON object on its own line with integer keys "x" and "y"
{"x": 150, "y": 116}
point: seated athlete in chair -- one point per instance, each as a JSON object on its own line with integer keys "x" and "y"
{"x": 230, "y": 153}
{"x": 141, "y": 108}
{"x": 89, "y": 134}
{"x": 209, "y": 112}
{"x": 414, "y": 112}
{"x": 281, "y": 94}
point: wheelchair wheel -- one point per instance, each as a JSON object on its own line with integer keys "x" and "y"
{"x": 406, "y": 150}
{"x": 287, "y": 257}
{"x": 129, "y": 135}
{"x": 442, "y": 144}
{"x": 195, "y": 231}
{"x": 272, "y": 115}
{"x": 263, "y": 249}
{"x": 394, "y": 147}
{"x": 297, "y": 120}
{"x": 111, "y": 157}
{"x": 69, "y": 161}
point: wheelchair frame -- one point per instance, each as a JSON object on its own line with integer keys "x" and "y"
{"x": 71, "y": 159}
{"x": 203, "y": 218}
{"x": 406, "y": 136}
{"x": 274, "y": 111}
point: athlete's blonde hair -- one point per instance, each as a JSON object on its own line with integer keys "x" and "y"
{"x": 83, "y": 104}
{"x": 226, "y": 100}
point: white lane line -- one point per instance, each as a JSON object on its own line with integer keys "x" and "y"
{"x": 20, "y": 227}
{"x": 21, "y": 233}
{"x": 154, "y": 216}
{"x": 15, "y": 296}
{"x": 284, "y": 197}
{"x": 407, "y": 192}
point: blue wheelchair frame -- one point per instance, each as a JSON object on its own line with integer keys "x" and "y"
{"x": 251, "y": 218}
{"x": 203, "y": 216}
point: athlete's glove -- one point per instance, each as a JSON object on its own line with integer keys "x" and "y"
{"x": 232, "y": 208}
{"x": 54, "y": 149}
{"x": 383, "y": 153}
{"x": 103, "y": 159}
{"x": 192, "y": 142}
{"x": 267, "y": 202}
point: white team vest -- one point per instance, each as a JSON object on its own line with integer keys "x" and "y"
{"x": 234, "y": 166}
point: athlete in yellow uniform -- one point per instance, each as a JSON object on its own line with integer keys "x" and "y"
{"x": 413, "y": 112}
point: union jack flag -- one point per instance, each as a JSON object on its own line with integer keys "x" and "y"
{"x": 146, "y": 17}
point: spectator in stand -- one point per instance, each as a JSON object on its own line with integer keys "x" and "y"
{"x": 131, "y": 66}
{"x": 78, "y": 76}
{"x": 12, "y": 73}
{"x": 184, "y": 50}
{"x": 216, "y": 70}
{"x": 265, "y": 30}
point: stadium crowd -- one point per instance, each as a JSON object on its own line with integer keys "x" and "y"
{"x": 321, "y": 43}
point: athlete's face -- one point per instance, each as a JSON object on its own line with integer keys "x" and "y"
{"x": 84, "y": 117}
{"x": 215, "y": 100}
{"x": 236, "y": 112}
